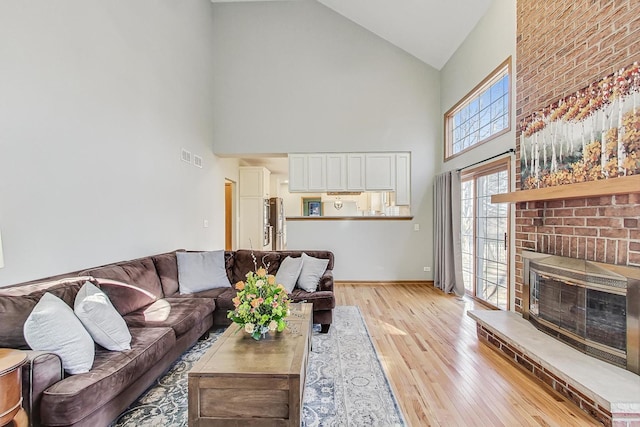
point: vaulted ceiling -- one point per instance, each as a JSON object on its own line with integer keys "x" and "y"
{"x": 430, "y": 30}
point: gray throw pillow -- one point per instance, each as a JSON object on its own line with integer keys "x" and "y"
{"x": 52, "y": 326}
{"x": 101, "y": 319}
{"x": 201, "y": 271}
{"x": 288, "y": 273}
{"x": 312, "y": 271}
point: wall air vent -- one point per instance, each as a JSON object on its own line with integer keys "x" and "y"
{"x": 186, "y": 156}
{"x": 197, "y": 161}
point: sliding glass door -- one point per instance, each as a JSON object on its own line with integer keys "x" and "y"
{"x": 485, "y": 227}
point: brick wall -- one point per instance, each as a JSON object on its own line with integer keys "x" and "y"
{"x": 562, "y": 47}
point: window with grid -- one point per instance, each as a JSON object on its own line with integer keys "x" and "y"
{"x": 481, "y": 115}
{"x": 484, "y": 228}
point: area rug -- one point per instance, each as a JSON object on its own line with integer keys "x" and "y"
{"x": 345, "y": 385}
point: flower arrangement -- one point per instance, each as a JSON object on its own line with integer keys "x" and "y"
{"x": 261, "y": 305}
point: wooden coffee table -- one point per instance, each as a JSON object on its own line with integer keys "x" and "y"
{"x": 243, "y": 382}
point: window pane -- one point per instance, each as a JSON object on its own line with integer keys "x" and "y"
{"x": 480, "y": 115}
{"x": 464, "y": 114}
{"x": 485, "y": 117}
{"x": 473, "y": 107}
{"x": 485, "y": 99}
{"x": 496, "y": 110}
{"x": 484, "y": 256}
{"x": 496, "y": 91}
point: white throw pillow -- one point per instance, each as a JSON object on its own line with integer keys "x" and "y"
{"x": 101, "y": 319}
{"x": 288, "y": 273}
{"x": 201, "y": 271}
{"x": 53, "y": 327}
{"x": 312, "y": 271}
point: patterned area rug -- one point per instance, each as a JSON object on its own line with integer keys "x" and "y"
{"x": 345, "y": 384}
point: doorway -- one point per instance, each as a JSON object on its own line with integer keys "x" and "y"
{"x": 485, "y": 227}
{"x": 228, "y": 215}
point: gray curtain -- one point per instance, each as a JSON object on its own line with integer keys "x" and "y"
{"x": 447, "y": 270}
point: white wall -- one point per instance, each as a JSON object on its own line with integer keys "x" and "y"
{"x": 491, "y": 42}
{"x": 297, "y": 77}
{"x": 97, "y": 99}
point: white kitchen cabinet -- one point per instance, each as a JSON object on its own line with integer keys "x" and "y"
{"x": 325, "y": 172}
{"x": 336, "y": 172}
{"x": 403, "y": 179}
{"x": 252, "y": 229}
{"x": 355, "y": 171}
{"x": 380, "y": 171}
{"x": 316, "y": 172}
{"x": 297, "y": 172}
{"x": 254, "y": 181}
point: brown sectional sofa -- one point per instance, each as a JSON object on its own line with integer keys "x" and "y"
{"x": 163, "y": 324}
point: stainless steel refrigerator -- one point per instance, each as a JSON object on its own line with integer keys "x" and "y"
{"x": 278, "y": 224}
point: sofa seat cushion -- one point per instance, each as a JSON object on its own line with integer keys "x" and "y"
{"x": 180, "y": 314}
{"x": 224, "y": 300}
{"x": 322, "y": 300}
{"x": 77, "y": 396}
{"x": 210, "y": 293}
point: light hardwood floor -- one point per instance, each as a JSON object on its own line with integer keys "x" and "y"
{"x": 439, "y": 371}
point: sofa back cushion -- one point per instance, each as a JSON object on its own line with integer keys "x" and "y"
{"x": 17, "y": 302}
{"x": 140, "y": 273}
{"x": 242, "y": 261}
{"x": 125, "y": 297}
{"x": 167, "y": 269}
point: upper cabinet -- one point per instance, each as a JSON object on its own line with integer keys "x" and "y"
{"x": 403, "y": 179}
{"x": 336, "y": 172}
{"x": 355, "y": 172}
{"x": 380, "y": 171}
{"x": 254, "y": 181}
{"x": 327, "y": 172}
{"x": 297, "y": 173}
{"x": 316, "y": 172}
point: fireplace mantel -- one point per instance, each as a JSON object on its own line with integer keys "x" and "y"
{"x": 605, "y": 187}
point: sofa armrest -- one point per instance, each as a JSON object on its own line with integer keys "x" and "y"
{"x": 41, "y": 370}
{"x": 326, "y": 281}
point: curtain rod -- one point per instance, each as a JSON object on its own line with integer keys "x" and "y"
{"x": 510, "y": 150}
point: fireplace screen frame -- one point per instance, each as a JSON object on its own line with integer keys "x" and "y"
{"x": 620, "y": 280}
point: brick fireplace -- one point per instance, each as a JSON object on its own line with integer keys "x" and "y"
{"x": 591, "y": 306}
{"x": 603, "y": 229}
{"x": 562, "y": 47}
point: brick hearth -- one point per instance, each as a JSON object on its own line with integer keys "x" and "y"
{"x": 608, "y": 393}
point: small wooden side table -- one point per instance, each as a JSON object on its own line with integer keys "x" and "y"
{"x": 11, "y": 412}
